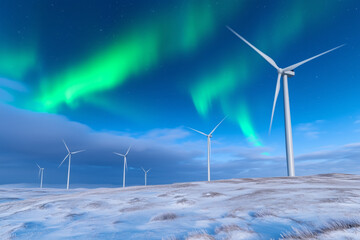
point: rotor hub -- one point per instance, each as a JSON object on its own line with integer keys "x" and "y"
{"x": 289, "y": 73}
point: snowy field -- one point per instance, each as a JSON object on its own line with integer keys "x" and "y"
{"x": 312, "y": 207}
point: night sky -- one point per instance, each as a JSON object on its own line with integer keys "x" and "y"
{"x": 104, "y": 75}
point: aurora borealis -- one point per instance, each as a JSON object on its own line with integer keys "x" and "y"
{"x": 138, "y": 49}
{"x": 134, "y": 67}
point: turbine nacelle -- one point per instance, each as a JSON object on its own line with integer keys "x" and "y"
{"x": 289, "y": 73}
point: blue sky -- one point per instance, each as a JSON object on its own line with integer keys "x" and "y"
{"x": 106, "y": 75}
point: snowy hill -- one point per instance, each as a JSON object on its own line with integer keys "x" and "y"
{"x": 312, "y": 207}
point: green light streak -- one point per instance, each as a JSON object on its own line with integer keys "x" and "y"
{"x": 244, "y": 121}
{"x": 214, "y": 86}
{"x": 104, "y": 71}
{"x": 238, "y": 112}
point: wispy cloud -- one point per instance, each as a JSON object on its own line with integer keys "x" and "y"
{"x": 166, "y": 134}
{"x": 348, "y": 151}
{"x": 27, "y": 137}
{"x": 310, "y": 130}
{"x": 12, "y": 85}
{"x": 8, "y": 87}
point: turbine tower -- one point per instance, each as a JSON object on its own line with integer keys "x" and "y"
{"x": 284, "y": 73}
{"x": 41, "y": 175}
{"x": 209, "y": 136}
{"x": 69, "y": 155}
{"x": 125, "y": 163}
{"x": 145, "y": 173}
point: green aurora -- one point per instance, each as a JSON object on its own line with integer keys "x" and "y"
{"x": 139, "y": 50}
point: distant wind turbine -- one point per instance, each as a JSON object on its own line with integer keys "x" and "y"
{"x": 145, "y": 173}
{"x": 209, "y": 136}
{"x": 284, "y": 72}
{"x": 69, "y": 155}
{"x": 41, "y": 175}
{"x": 125, "y": 163}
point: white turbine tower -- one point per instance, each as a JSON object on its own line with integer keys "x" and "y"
{"x": 209, "y": 136}
{"x": 69, "y": 155}
{"x": 284, "y": 72}
{"x": 125, "y": 163}
{"x": 145, "y": 173}
{"x": 41, "y": 175}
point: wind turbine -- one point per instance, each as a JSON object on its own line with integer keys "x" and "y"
{"x": 125, "y": 163}
{"x": 285, "y": 73}
{"x": 145, "y": 173}
{"x": 69, "y": 155}
{"x": 209, "y": 136}
{"x": 41, "y": 174}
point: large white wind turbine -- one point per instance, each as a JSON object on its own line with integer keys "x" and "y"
{"x": 145, "y": 173}
{"x": 284, "y": 72}
{"x": 41, "y": 175}
{"x": 69, "y": 155}
{"x": 209, "y": 136}
{"x": 125, "y": 163}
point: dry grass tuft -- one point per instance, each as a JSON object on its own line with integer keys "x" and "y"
{"x": 165, "y": 217}
{"x": 227, "y": 228}
{"x": 331, "y": 226}
{"x": 211, "y": 194}
{"x": 262, "y": 213}
{"x": 201, "y": 235}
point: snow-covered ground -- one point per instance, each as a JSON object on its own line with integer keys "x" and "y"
{"x": 312, "y": 207}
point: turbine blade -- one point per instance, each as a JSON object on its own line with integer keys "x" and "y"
{"x": 66, "y": 146}
{"x": 127, "y": 151}
{"x": 217, "y": 126}
{"x": 64, "y": 160}
{"x": 143, "y": 169}
{"x": 275, "y": 99}
{"x": 292, "y": 67}
{"x": 38, "y": 165}
{"x": 126, "y": 166}
{"x": 198, "y": 131}
{"x": 119, "y": 154}
{"x": 39, "y": 172}
{"x": 266, "y": 57}
{"x": 148, "y": 170}
{"x": 78, "y": 151}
